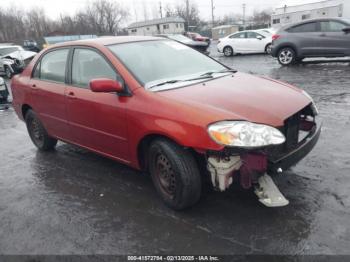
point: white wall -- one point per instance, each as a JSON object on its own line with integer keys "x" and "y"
{"x": 174, "y": 28}
{"x": 339, "y": 8}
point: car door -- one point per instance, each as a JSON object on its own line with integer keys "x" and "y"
{"x": 48, "y": 92}
{"x": 307, "y": 38}
{"x": 237, "y": 42}
{"x": 255, "y": 42}
{"x": 334, "y": 40}
{"x": 97, "y": 120}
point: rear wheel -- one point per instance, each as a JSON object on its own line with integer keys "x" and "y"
{"x": 37, "y": 132}
{"x": 286, "y": 56}
{"x": 228, "y": 51}
{"x": 175, "y": 174}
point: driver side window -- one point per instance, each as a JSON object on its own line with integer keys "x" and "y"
{"x": 238, "y": 35}
{"x": 88, "y": 65}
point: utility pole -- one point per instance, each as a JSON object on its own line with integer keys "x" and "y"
{"x": 212, "y": 13}
{"x": 244, "y": 6}
{"x": 160, "y": 9}
{"x": 188, "y": 14}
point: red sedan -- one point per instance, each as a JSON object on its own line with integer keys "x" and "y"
{"x": 160, "y": 106}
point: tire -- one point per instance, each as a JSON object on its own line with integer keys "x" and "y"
{"x": 175, "y": 174}
{"x": 8, "y": 72}
{"x": 287, "y": 56}
{"x": 268, "y": 49}
{"x": 38, "y": 133}
{"x": 228, "y": 51}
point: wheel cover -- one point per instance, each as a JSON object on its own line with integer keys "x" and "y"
{"x": 36, "y": 132}
{"x": 286, "y": 57}
{"x": 165, "y": 175}
{"x": 227, "y": 51}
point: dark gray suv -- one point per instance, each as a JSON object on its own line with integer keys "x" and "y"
{"x": 327, "y": 37}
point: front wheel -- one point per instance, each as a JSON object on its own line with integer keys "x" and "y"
{"x": 8, "y": 72}
{"x": 268, "y": 49}
{"x": 175, "y": 174}
{"x": 38, "y": 133}
{"x": 286, "y": 56}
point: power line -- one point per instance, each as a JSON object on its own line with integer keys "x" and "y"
{"x": 212, "y": 12}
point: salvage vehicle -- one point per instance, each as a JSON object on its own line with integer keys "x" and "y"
{"x": 245, "y": 42}
{"x": 13, "y": 59}
{"x": 4, "y": 93}
{"x": 198, "y": 37}
{"x": 160, "y": 106}
{"x": 197, "y": 45}
{"x": 326, "y": 37}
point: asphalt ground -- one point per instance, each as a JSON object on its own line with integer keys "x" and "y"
{"x": 71, "y": 201}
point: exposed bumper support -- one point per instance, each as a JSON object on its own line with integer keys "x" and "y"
{"x": 268, "y": 193}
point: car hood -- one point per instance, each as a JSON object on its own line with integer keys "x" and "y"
{"x": 21, "y": 55}
{"x": 240, "y": 97}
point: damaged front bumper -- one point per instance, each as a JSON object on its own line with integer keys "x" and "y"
{"x": 253, "y": 167}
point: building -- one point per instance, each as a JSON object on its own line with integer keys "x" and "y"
{"x": 167, "y": 25}
{"x": 223, "y": 30}
{"x": 293, "y": 14}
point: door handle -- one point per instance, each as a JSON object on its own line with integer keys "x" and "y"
{"x": 71, "y": 95}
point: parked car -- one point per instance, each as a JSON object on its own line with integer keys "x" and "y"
{"x": 198, "y": 37}
{"x": 160, "y": 106}
{"x": 197, "y": 45}
{"x": 4, "y": 93}
{"x": 326, "y": 37}
{"x": 31, "y": 45}
{"x": 245, "y": 42}
{"x": 13, "y": 59}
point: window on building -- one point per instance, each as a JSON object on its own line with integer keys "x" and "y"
{"x": 133, "y": 30}
{"x": 332, "y": 26}
{"x": 166, "y": 26}
{"x": 177, "y": 25}
{"x": 304, "y": 28}
{"x": 181, "y": 25}
{"x": 305, "y": 16}
{"x": 276, "y": 21}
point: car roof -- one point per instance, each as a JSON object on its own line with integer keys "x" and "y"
{"x": 312, "y": 20}
{"x": 105, "y": 41}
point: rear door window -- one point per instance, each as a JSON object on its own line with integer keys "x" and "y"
{"x": 332, "y": 26}
{"x": 88, "y": 65}
{"x": 238, "y": 35}
{"x": 304, "y": 28}
{"x": 52, "y": 66}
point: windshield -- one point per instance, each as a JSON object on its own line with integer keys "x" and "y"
{"x": 9, "y": 50}
{"x": 180, "y": 38}
{"x": 161, "y": 60}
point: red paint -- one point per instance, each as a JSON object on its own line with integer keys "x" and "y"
{"x": 104, "y": 85}
{"x": 114, "y": 126}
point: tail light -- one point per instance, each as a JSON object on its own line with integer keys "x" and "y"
{"x": 275, "y": 37}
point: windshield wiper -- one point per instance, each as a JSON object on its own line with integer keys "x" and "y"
{"x": 180, "y": 80}
{"x": 219, "y": 72}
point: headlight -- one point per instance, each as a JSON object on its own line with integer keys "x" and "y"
{"x": 313, "y": 105}
{"x": 245, "y": 134}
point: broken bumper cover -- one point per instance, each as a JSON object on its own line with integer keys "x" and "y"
{"x": 293, "y": 157}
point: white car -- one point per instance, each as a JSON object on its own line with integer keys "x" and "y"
{"x": 13, "y": 59}
{"x": 245, "y": 42}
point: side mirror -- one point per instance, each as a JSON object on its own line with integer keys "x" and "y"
{"x": 105, "y": 85}
{"x": 346, "y": 30}
{"x": 259, "y": 37}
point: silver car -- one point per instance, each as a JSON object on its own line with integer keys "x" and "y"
{"x": 327, "y": 37}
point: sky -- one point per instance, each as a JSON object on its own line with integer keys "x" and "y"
{"x": 136, "y": 7}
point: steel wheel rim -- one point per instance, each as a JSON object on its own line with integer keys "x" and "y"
{"x": 227, "y": 51}
{"x": 165, "y": 175}
{"x": 286, "y": 56}
{"x": 36, "y": 132}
